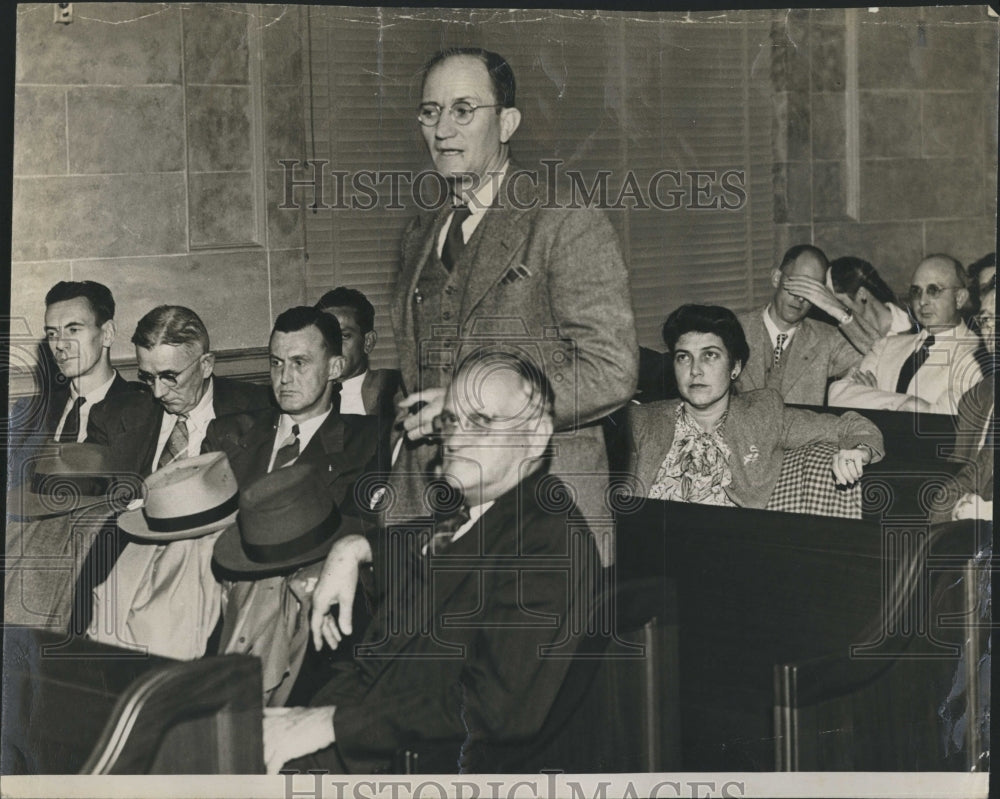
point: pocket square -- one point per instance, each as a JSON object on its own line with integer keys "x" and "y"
{"x": 518, "y": 272}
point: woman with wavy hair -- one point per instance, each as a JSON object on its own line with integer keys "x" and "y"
{"x": 717, "y": 447}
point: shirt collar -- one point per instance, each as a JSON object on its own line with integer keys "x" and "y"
{"x": 98, "y": 393}
{"x": 204, "y": 411}
{"x": 482, "y": 198}
{"x": 307, "y": 428}
{"x": 474, "y": 513}
{"x": 772, "y": 328}
{"x": 353, "y": 384}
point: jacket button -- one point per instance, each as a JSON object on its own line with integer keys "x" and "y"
{"x": 449, "y": 289}
{"x": 446, "y": 315}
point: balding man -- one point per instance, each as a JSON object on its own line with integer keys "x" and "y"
{"x": 927, "y": 371}
{"x": 790, "y": 353}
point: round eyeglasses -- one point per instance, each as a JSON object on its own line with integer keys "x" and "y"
{"x": 933, "y": 291}
{"x": 462, "y": 112}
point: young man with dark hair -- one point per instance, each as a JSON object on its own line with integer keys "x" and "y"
{"x": 363, "y": 390}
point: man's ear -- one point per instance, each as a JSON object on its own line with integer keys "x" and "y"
{"x": 775, "y": 277}
{"x": 109, "y": 332}
{"x": 539, "y": 437}
{"x": 337, "y": 364}
{"x": 510, "y": 118}
{"x": 961, "y": 298}
{"x": 208, "y": 364}
{"x": 370, "y": 338}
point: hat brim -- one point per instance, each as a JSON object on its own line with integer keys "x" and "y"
{"x": 229, "y": 553}
{"x": 24, "y": 504}
{"x": 134, "y": 523}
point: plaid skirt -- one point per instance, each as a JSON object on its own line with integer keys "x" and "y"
{"x": 806, "y": 485}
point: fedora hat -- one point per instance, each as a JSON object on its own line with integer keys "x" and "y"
{"x": 185, "y": 499}
{"x": 71, "y": 477}
{"x": 287, "y": 519}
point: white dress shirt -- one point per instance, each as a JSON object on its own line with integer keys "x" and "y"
{"x": 91, "y": 399}
{"x": 772, "y": 331}
{"x": 307, "y": 430}
{"x": 479, "y": 203}
{"x": 197, "y": 425}
{"x": 351, "y": 400}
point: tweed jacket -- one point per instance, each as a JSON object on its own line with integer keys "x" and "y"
{"x": 130, "y": 423}
{"x": 379, "y": 391}
{"x": 817, "y": 352}
{"x": 475, "y": 669}
{"x": 758, "y": 430}
{"x": 950, "y": 370}
{"x": 551, "y": 282}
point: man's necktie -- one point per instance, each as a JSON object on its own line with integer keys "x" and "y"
{"x": 177, "y": 443}
{"x": 445, "y": 529}
{"x": 71, "y": 427}
{"x": 288, "y": 451}
{"x": 779, "y": 347}
{"x": 912, "y": 364}
{"x": 454, "y": 242}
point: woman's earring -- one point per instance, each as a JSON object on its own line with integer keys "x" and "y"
{"x": 734, "y": 374}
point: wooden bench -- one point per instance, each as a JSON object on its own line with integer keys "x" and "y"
{"x": 82, "y": 707}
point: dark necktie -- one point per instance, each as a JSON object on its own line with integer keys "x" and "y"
{"x": 912, "y": 364}
{"x": 454, "y": 242}
{"x": 71, "y": 427}
{"x": 445, "y": 529}
{"x": 288, "y": 451}
{"x": 779, "y": 348}
{"x": 177, "y": 443}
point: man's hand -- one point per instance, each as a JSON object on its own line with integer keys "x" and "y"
{"x": 972, "y": 506}
{"x": 291, "y": 732}
{"x": 420, "y": 423}
{"x": 816, "y": 293}
{"x": 848, "y": 464}
{"x": 338, "y": 583}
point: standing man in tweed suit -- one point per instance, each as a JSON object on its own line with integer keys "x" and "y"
{"x": 497, "y": 264}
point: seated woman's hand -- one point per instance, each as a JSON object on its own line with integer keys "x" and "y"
{"x": 848, "y": 464}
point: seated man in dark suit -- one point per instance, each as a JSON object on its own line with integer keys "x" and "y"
{"x": 306, "y": 360}
{"x": 365, "y": 391}
{"x": 456, "y": 651}
{"x": 147, "y": 430}
{"x": 79, "y": 331}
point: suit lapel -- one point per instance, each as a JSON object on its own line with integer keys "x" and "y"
{"x": 54, "y": 412}
{"x": 760, "y": 344}
{"x": 257, "y": 444}
{"x": 802, "y": 352}
{"x": 498, "y": 238}
{"x": 369, "y": 392}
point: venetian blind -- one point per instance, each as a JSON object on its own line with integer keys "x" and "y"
{"x": 631, "y": 96}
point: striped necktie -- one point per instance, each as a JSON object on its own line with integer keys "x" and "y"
{"x": 288, "y": 451}
{"x": 177, "y": 444}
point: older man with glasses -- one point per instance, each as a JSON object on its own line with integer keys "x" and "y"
{"x": 927, "y": 371}
{"x": 146, "y": 430}
{"x": 500, "y": 261}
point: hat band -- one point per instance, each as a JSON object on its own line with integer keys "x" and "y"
{"x": 310, "y": 539}
{"x": 175, "y": 524}
{"x": 86, "y": 485}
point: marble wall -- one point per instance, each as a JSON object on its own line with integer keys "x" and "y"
{"x": 147, "y": 141}
{"x": 926, "y": 153}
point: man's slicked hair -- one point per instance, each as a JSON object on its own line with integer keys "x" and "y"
{"x": 96, "y": 294}
{"x": 171, "y": 324}
{"x": 500, "y": 72}
{"x": 343, "y": 297}
{"x": 793, "y": 253}
{"x": 301, "y": 316}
